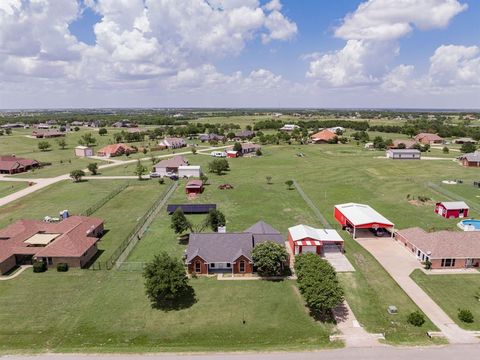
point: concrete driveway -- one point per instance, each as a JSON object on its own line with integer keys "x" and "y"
{"x": 400, "y": 263}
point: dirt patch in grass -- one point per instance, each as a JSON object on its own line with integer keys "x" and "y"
{"x": 419, "y": 203}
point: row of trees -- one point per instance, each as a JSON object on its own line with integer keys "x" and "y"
{"x": 180, "y": 224}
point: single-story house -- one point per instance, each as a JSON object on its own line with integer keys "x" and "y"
{"x": 194, "y": 187}
{"x": 209, "y": 253}
{"x": 172, "y": 143}
{"x": 211, "y": 137}
{"x": 289, "y": 127}
{"x": 83, "y": 151}
{"x": 72, "y": 241}
{"x": 355, "y": 217}
{"x": 306, "y": 239}
{"x": 408, "y": 143}
{"x": 189, "y": 171}
{"x": 170, "y": 166}
{"x": 452, "y": 209}
{"x": 47, "y": 134}
{"x": 191, "y": 208}
{"x": 470, "y": 159}
{"x": 465, "y": 140}
{"x": 115, "y": 150}
{"x": 323, "y": 136}
{"x": 403, "y": 154}
{"x": 245, "y": 134}
{"x": 10, "y": 164}
{"x": 428, "y": 138}
{"x": 43, "y": 126}
{"x": 444, "y": 249}
{"x": 248, "y": 148}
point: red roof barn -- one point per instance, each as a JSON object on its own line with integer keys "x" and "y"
{"x": 452, "y": 209}
{"x": 194, "y": 187}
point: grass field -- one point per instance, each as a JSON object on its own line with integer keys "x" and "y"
{"x": 453, "y": 292}
{"x": 9, "y": 187}
{"x": 98, "y": 311}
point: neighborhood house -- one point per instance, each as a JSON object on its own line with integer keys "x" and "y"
{"x": 72, "y": 241}
{"x": 172, "y": 143}
{"x": 115, "y": 150}
{"x": 323, "y": 136}
{"x": 427, "y": 138}
{"x": 209, "y": 253}
{"x": 452, "y": 209}
{"x": 211, "y": 137}
{"x": 289, "y": 127}
{"x": 306, "y": 239}
{"x": 357, "y": 218}
{"x": 10, "y": 164}
{"x": 47, "y": 134}
{"x": 245, "y": 134}
{"x": 403, "y": 143}
{"x": 444, "y": 249}
{"x": 470, "y": 159}
{"x": 170, "y": 166}
{"x": 403, "y": 154}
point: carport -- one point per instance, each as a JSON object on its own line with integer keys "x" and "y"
{"x": 361, "y": 216}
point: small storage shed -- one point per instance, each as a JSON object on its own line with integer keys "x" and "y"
{"x": 360, "y": 216}
{"x": 232, "y": 154}
{"x": 194, "y": 187}
{"x": 83, "y": 151}
{"x": 403, "y": 154}
{"x": 306, "y": 239}
{"x": 189, "y": 171}
{"x": 452, "y": 209}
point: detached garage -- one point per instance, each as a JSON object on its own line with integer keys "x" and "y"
{"x": 306, "y": 239}
{"x": 355, "y": 217}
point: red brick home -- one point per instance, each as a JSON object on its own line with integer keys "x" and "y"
{"x": 212, "y": 253}
{"x": 428, "y": 138}
{"x": 470, "y": 159}
{"x": 451, "y": 209}
{"x": 115, "y": 150}
{"x": 323, "y": 137}
{"x": 72, "y": 241}
{"x": 444, "y": 249}
{"x": 11, "y": 164}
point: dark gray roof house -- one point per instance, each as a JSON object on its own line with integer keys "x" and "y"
{"x": 215, "y": 249}
{"x": 211, "y": 137}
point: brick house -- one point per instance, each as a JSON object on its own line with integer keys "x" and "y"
{"x": 470, "y": 159}
{"x": 72, "y": 241}
{"x": 444, "y": 249}
{"x": 172, "y": 143}
{"x": 323, "y": 137}
{"x": 115, "y": 150}
{"x": 428, "y": 138}
{"x": 170, "y": 166}
{"x": 10, "y": 164}
{"x": 211, "y": 253}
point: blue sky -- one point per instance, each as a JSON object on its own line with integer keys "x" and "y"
{"x": 309, "y": 53}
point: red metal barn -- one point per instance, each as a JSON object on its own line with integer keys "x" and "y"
{"x": 359, "y": 217}
{"x": 452, "y": 209}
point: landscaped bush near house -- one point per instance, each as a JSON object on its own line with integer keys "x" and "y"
{"x": 62, "y": 267}
{"x": 39, "y": 267}
{"x": 465, "y": 315}
{"x": 416, "y": 318}
{"x": 427, "y": 265}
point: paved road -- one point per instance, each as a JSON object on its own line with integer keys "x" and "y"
{"x": 399, "y": 263}
{"x": 450, "y": 352}
{"x": 44, "y": 182}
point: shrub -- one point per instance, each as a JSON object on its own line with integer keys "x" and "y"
{"x": 39, "y": 267}
{"x": 62, "y": 267}
{"x": 465, "y": 315}
{"x": 161, "y": 181}
{"x": 416, "y": 318}
{"x": 269, "y": 258}
{"x": 428, "y": 265}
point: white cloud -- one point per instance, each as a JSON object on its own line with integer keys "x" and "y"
{"x": 273, "y": 5}
{"x": 372, "y": 33}
{"x": 399, "y": 79}
{"x": 455, "y": 65}
{"x": 280, "y": 28}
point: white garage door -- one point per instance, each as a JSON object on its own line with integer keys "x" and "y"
{"x": 309, "y": 249}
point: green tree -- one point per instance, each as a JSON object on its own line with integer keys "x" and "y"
{"x": 204, "y": 178}
{"x": 140, "y": 170}
{"x": 237, "y": 147}
{"x": 166, "y": 283}
{"x": 76, "y": 175}
{"x": 218, "y": 166}
{"x": 93, "y": 168}
{"x": 179, "y": 222}
{"x": 193, "y": 150}
{"x": 215, "y": 219}
{"x": 258, "y": 152}
{"x": 289, "y": 184}
{"x": 416, "y": 318}
{"x": 468, "y": 148}
{"x": 62, "y": 143}
{"x": 269, "y": 258}
{"x": 379, "y": 143}
{"x": 445, "y": 150}
{"x": 231, "y": 135}
{"x": 102, "y": 132}
{"x": 269, "y": 179}
{"x": 8, "y": 131}
{"x": 87, "y": 139}
{"x": 44, "y": 145}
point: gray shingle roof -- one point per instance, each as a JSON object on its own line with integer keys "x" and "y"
{"x": 219, "y": 247}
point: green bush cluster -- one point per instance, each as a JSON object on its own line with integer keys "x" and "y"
{"x": 62, "y": 267}
{"x": 465, "y": 315}
{"x": 416, "y": 318}
{"x": 39, "y": 267}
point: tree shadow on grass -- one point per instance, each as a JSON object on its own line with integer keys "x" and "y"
{"x": 324, "y": 317}
{"x": 184, "y": 301}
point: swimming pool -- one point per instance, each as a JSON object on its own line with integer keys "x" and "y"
{"x": 469, "y": 225}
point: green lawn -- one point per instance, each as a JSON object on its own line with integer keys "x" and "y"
{"x": 99, "y": 311}
{"x": 452, "y": 292}
{"x": 9, "y": 187}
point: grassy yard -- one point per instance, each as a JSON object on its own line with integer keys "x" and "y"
{"x": 98, "y": 311}
{"x": 9, "y": 187}
{"x": 453, "y": 292}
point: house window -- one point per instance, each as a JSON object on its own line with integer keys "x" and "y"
{"x": 448, "y": 262}
{"x": 242, "y": 266}
{"x": 212, "y": 265}
{"x": 229, "y": 265}
{"x": 197, "y": 267}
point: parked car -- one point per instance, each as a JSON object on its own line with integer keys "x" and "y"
{"x": 173, "y": 177}
{"x": 218, "y": 154}
{"x": 379, "y": 232}
{"x": 154, "y": 175}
